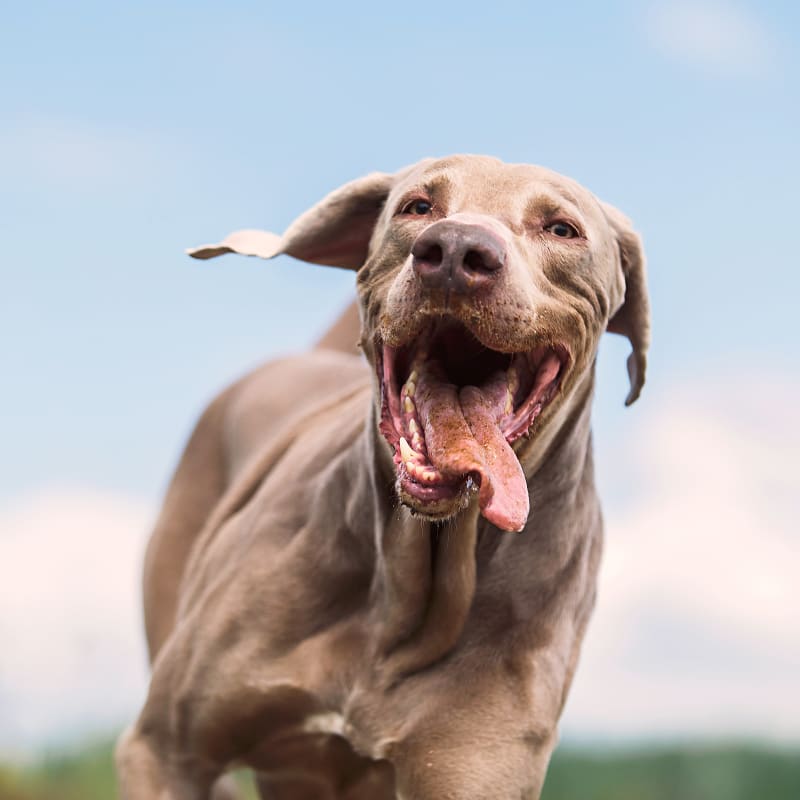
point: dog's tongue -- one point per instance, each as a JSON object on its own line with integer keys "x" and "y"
{"x": 462, "y": 437}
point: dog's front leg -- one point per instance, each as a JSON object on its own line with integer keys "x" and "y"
{"x": 480, "y": 727}
{"x": 212, "y": 704}
{"x": 145, "y": 774}
{"x": 434, "y": 770}
{"x": 158, "y": 758}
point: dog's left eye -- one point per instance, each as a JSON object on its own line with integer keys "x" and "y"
{"x": 417, "y": 207}
{"x": 563, "y": 230}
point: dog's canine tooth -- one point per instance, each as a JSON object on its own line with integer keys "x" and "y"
{"x": 412, "y": 378}
{"x": 407, "y": 452}
{"x": 408, "y": 405}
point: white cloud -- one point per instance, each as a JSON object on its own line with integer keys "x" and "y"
{"x": 719, "y": 37}
{"x": 697, "y": 626}
{"x": 73, "y": 657}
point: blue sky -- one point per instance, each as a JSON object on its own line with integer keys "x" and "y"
{"x": 129, "y": 132}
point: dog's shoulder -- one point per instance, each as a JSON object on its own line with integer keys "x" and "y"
{"x": 266, "y": 401}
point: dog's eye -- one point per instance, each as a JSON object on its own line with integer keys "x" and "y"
{"x": 417, "y": 207}
{"x": 563, "y": 230}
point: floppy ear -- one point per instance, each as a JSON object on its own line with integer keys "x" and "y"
{"x": 632, "y": 319}
{"x": 336, "y": 231}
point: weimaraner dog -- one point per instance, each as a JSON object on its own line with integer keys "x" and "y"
{"x": 372, "y": 573}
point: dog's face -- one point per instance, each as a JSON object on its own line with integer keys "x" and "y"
{"x": 484, "y": 289}
{"x": 485, "y": 292}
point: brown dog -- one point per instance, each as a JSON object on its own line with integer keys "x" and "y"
{"x": 372, "y": 581}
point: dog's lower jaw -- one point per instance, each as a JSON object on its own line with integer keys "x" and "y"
{"x": 438, "y": 510}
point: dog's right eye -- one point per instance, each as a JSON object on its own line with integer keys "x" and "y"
{"x": 417, "y": 207}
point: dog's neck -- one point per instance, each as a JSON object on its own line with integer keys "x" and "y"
{"x": 425, "y": 576}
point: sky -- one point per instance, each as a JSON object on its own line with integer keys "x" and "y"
{"x": 129, "y": 132}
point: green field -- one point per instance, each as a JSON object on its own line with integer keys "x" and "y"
{"x": 674, "y": 773}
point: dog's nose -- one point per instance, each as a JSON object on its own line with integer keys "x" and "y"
{"x": 461, "y": 257}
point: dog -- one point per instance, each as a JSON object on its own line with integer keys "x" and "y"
{"x": 372, "y": 574}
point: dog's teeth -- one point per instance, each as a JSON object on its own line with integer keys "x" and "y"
{"x": 415, "y": 470}
{"x": 412, "y": 378}
{"x": 512, "y": 386}
{"x": 429, "y": 475}
{"x": 413, "y": 428}
{"x": 513, "y": 380}
{"x": 407, "y": 452}
{"x": 408, "y": 405}
{"x": 410, "y": 388}
{"x": 416, "y": 441}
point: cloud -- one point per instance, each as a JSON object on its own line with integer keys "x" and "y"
{"x": 718, "y": 37}
{"x": 73, "y": 657}
{"x": 696, "y": 628}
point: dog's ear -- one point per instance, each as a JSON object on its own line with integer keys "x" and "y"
{"x": 632, "y": 319}
{"x": 335, "y": 232}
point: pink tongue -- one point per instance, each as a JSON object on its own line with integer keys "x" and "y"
{"x": 462, "y": 437}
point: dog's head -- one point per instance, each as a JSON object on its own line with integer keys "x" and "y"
{"x": 484, "y": 288}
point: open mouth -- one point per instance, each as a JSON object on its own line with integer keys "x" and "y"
{"x": 451, "y": 409}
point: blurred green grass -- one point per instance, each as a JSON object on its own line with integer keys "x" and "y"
{"x": 676, "y": 773}
{"x": 722, "y": 772}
